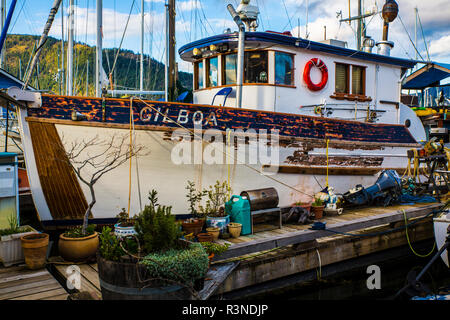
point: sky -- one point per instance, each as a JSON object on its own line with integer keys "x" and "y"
{"x": 197, "y": 19}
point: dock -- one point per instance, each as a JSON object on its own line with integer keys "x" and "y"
{"x": 294, "y": 249}
{"x": 20, "y": 283}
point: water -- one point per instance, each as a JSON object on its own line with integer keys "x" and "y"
{"x": 352, "y": 283}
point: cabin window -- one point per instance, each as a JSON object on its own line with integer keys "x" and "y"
{"x": 255, "y": 67}
{"x": 229, "y": 68}
{"x": 342, "y": 78}
{"x": 284, "y": 66}
{"x": 358, "y": 79}
{"x": 212, "y": 67}
{"x": 198, "y": 71}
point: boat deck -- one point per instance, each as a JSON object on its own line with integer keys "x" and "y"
{"x": 227, "y": 273}
{"x": 20, "y": 283}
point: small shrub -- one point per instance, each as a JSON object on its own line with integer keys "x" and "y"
{"x": 215, "y": 248}
{"x": 180, "y": 265}
{"x": 78, "y": 232}
{"x": 110, "y": 245}
{"x": 317, "y": 202}
{"x": 194, "y": 198}
{"x": 217, "y": 196}
{"x": 156, "y": 227}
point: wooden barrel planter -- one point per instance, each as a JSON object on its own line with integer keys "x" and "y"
{"x": 121, "y": 281}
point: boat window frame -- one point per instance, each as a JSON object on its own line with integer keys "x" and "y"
{"x": 347, "y": 72}
{"x": 207, "y": 64}
{"x": 363, "y": 76}
{"x": 292, "y": 85}
{"x": 350, "y": 95}
{"x": 196, "y": 75}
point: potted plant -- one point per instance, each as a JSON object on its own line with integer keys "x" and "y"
{"x": 154, "y": 263}
{"x": 301, "y": 204}
{"x": 10, "y": 245}
{"x": 214, "y": 209}
{"x": 214, "y": 249}
{"x": 125, "y": 226}
{"x": 90, "y": 160}
{"x": 195, "y": 224}
{"x": 205, "y": 237}
{"x": 235, "y": 229}
{"x": 317, "y": 208}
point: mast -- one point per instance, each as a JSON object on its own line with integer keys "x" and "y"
{"x": 141, "y": 80}
{"x": 62, "y": 74}
{"x": 359, "y": 29}
{"x": 99, "y": 61}
{"x": 171, "y": 81}
{"x": 69, "y": 90}
{"x": 3, "y": 11}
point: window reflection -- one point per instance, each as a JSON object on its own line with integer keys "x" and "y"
{"x": 212, "y": 72}
{"x": 199, "y": 75}
{"x": 230, "y": 68}
{"x": 284, "y": 64}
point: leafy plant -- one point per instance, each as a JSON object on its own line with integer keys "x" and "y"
{"x": 124, "y": 219}
{"x": 217, "y": 196}
{"x": 317, "y": 202}
{"x": 156, "y": 227}
{"x": 13, "y": 227}
{"x": 194, "y": 198}
{"x": 77, "y": 232}
{"x": 215, "y": 248}
{"x": 110, "y": 245}
{"x": 180, "y": 265}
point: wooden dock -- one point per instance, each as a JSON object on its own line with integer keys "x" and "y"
{"x": 19, "y": 283}
{"x": 293, "y": 249}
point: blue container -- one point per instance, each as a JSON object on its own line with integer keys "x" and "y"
{"x": 239, "y": 210}
{"x": 218, "y": 222}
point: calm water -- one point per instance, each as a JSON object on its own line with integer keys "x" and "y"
{"x": 352, "y": 283}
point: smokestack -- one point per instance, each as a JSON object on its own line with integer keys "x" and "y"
{"x": 389, "y": 13}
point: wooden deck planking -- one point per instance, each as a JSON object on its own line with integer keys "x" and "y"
{"x": 19, "y": 283}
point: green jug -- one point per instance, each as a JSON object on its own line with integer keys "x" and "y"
{"x": 239, "y": 210}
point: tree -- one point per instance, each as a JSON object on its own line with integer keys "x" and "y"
{"x": 93, "y": 158}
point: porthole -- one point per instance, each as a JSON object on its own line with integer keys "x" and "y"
{"x": 408, "y": 123}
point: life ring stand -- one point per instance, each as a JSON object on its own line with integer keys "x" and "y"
{"x": 315, "y": 62}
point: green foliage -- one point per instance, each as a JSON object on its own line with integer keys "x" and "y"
{"x": 13, "y": 227}
{"x": 124, "y": 219}
{"x": 217, "y": 196}
{"x": 20, "y": 47}
{"x": 317, "y": 202}
{"x": 194, "y": 198}
{"x": 156, "y": 227}
{"x": 78, "y": 232}
{"x": 110, "y": 245}
{"x": 215, "y": 248}
{"x": 180, "y": 265}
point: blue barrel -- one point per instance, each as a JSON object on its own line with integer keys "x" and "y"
{"x": 239, "y": 210}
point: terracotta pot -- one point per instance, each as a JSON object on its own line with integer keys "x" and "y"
{"x": 193, "y": 227}
{"x": 235, "y": 229}
{"x": 215, "y": 231}
{"x": 78, "y": 249}
{"x": 35, "y": 249}
{"x": 318, "y": 211}
{"x": 205, "y": 237}
{"x": 210, "y": 257}
{"x": 306, "y": 206}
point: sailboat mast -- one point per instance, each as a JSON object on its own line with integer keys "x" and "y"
{"x": 69, "y": 90}
{"x": 99, "y": 60}
{"x": 359, "y": 29}
{"x": 62, "y": 74}
{"x": 141, "y": 80}
{"x": 171, "y": 50}
{"x": 3, "y": 16}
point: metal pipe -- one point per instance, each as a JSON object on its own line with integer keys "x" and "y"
{"x": 6, "y": 26}
{"x": 62, "y": 50}
{"x": 70, "y": 50}
{"x": 241, "y": 53}
{"x": 166, "y": 65}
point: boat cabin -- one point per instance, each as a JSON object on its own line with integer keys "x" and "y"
{"x": 287, "y": 74}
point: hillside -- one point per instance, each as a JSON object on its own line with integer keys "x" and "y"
{"x": 19, "y": 49}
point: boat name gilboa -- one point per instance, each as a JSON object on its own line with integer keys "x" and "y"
{"x": 184, "y": 116}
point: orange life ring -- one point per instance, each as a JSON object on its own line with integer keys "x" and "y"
{"x": 315, "y": 62}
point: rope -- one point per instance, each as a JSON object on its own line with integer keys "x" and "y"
{"x": 224, "y": 152}
{"x": 326, "y": 181}
{"x": 409, "y": 243}
{"x": 131, "y": 154}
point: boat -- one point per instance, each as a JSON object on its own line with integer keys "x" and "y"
{"x": 269, "y": 110}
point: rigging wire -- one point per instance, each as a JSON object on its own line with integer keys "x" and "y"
{"x": 412, "y": 42}
{"x": 423, "y": 36}
{"x": 287, "y": 14}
